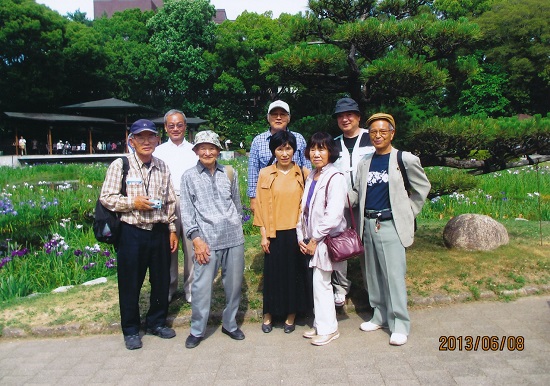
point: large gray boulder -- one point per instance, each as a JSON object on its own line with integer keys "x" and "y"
{"x": 474, "y": 232}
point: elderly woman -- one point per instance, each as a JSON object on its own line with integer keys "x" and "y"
{"x": 322, "y": 215}
{"x": 278, "y": 194}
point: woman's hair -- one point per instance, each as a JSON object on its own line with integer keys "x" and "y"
{"x": 280, "y": 138}
{"x": 323, "y": 141}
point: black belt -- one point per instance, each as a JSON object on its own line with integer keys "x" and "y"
{"x": 383, "y": 215}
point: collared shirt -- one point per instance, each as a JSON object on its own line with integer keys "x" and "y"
{"x": 153, "y": 181}
{"x": 179, "y": 158}
{"x": 346, "y": 162}
{"x": 211, "y": 207}
{"x": 260, "y": 156}
{"x": 278, "y": 197}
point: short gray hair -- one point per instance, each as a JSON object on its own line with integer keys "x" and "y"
{"x": 172, "y": 112}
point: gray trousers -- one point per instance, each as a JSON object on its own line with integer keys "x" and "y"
{"x": 386, "y": 266}
{"x": 231, "y": 261}
{"x": 188, "y": 257}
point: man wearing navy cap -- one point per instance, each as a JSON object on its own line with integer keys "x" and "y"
{"x": 147, "y": 235}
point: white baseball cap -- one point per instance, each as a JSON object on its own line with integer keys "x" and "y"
{"x": 280, "y": 104}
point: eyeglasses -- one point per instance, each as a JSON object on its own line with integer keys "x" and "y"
{"x": 282, "y": 115}
{"x": 382, "y": 133}
{"x": 180, "y": 126}
{"x": 150, "y": 138}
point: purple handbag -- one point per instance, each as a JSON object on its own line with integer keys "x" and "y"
{"x": 348, "y": 243}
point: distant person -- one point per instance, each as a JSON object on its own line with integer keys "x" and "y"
{"x": 35, "y": 147}
{"x": 23, "y": 145}
{"x": 353, "y": 144}
{"x": 387, "y": 213}
{"x": 278, "y": 116}
{"x": 211, "y": 212}
{"x": 148, "y": 233}
{"x": 59, "y": 147}
{"x": 83, "y": 147}
{"x": 178, "y": 154}
{"x": 67, "y": 148}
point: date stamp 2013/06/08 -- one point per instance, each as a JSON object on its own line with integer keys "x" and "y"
{"x": 484, "y": 343}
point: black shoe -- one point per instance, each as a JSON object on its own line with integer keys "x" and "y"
{"x": 267, "y": 327}
{"x": 288, "y": 328}
{"x": 237, "y": 334}
{"x": 132, "y": 342}
{"x": 192, "y": 341}
{"x": 162, "y": 332}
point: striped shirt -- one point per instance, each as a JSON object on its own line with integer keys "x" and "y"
{"x": 211, "y": 207}
{"x": 153, "y": 181}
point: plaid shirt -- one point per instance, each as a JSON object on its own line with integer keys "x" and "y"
{"x": 154, "y": 182}
{"x": 260, "y": 156}
{"x": 211, "y": 207}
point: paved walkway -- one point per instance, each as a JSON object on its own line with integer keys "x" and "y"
{"x": 288, "y": 359}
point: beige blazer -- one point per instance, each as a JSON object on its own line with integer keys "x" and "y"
{"x": 404, "y": 208}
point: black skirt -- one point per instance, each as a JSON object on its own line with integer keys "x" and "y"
{"x": 286, "y": 287}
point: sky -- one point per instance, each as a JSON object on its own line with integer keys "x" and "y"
{"x": 233, "y": 8}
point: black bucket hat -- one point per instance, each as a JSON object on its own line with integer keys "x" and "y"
{"x": 346, "y": 104}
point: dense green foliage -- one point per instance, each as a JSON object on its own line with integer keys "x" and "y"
{"x": 415, "y": 59}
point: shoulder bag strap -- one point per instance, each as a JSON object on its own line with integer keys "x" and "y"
{"x": 349, "y": 203}
{"x": 230, "y": 173}
{"x": 125, "y": 168}
{"x": 403, "y": 171}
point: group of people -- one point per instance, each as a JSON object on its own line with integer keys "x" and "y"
{"x": 109, "y": 147}
{"x": 66, "y": 148}
{"x": 298, "y": 192}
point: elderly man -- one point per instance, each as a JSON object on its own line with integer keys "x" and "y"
{"x": 353, "y": 144}
{"x": 178, "y": 154}
{"x": 278, "y": 116}
{"x": 147, "y": 235}
{"x": 211, "y": 211}
{"x": 387, "y": 211}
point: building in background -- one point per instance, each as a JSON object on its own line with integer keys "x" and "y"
{"x": 108, "y": 7}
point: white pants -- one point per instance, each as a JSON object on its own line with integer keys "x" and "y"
{"x": 323, "y": 303}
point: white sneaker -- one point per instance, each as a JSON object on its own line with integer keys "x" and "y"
{"x": 339, "y": 300}
{"x": 321, "y": 340}
{"x": 369, "y": 326}
{"x": 309, "y": 334}
{"x": 398, "y": 339}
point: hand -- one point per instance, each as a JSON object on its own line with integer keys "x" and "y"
{"x": 311, "y": 247}
{"x": 265, "y": 244}
{"x": 143, "y": 203}
{"x": 202, "y": 251}
{"x": 303, "y": 247}
{"x": 173, "y": 242}
{"x": 252, "y": 204}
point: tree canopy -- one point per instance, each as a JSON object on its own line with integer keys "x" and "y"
{"x": 472, "y": 61}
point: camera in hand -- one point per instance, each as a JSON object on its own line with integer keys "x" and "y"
{"x": 306, "y": 241}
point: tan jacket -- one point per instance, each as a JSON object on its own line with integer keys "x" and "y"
{"x": 265, "y": 214}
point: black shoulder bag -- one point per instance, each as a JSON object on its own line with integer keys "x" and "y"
{"x": 106, "y": 222}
